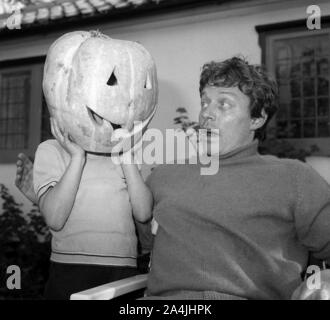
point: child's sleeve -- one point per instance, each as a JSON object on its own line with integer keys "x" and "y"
{"x": 312, "y": 217}
{"x": 48, "y": 167}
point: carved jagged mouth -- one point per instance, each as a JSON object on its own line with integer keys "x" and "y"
{"x": 99, "y": 120}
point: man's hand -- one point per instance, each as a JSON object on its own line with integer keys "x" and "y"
{"x": 318, "y": 289}
{"x": 66, "y": 142}
{"x": 24, "y": 177}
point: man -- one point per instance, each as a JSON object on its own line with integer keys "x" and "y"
{"x": 245, "y": 232}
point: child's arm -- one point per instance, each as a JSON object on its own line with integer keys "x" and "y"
{"x": 140, "y": 195}
{"x": 56, "y": 204}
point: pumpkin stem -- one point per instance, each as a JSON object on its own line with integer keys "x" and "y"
{"x": 96, "y": 34}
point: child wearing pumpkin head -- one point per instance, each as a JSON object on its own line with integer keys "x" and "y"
{"x": 89, "y": 202}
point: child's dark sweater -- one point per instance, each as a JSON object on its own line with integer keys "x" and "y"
{"x": 242, "y": 232}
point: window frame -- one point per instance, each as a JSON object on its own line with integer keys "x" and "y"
{"x": 35, "y": 66}
{"x": 268, "y": 34}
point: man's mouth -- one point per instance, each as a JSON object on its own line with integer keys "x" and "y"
{"x": 206, "y": 127}
{"x": 210, "y": 131}
{"x": 96, "y": 118}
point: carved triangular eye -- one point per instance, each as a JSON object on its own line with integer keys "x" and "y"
{"x": 147, "y": 84}
{"x": 112, "y": 80}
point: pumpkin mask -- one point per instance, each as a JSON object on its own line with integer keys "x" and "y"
{"x": 97, "y": 88}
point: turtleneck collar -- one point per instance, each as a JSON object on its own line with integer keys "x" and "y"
{"x": 241, "y": 152}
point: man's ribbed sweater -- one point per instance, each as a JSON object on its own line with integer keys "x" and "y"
{"x": 244, "y": 232}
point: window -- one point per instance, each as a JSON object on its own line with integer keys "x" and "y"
{"x": 300, "y": 61}
{"x": 14, "y": 109}
{"x": 21, "y": 110}
{"x": 302, "y": 73}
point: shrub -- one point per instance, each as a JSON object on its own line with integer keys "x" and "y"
{"x": 25, "y": 242}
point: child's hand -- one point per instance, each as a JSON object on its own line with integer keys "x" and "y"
{"x": 65, "y": 141}
{"x": 24, "y": 177}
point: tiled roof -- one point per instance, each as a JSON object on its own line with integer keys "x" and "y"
{"x": 38, "y": 13}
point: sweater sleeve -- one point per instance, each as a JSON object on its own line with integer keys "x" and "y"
{"x": 312, "y": 214}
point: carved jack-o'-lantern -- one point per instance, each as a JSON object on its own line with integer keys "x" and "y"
{"x": 97, "y": 87}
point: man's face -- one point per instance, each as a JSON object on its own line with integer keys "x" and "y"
{"x": 226, "y": 113}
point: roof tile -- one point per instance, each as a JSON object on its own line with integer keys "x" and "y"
{"x": 34, "y": 12}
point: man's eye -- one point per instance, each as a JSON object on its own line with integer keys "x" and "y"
{"x": 224, "y": 105}
{"x": 204, "y": 105}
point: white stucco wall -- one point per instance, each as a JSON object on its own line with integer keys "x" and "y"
{"x": 180, "y": 44}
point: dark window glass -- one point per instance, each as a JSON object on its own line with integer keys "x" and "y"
{"x": 14, "y": 110}
{"x": 302, "y": 72}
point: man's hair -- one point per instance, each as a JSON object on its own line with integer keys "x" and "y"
{"x": 252, "y": 80}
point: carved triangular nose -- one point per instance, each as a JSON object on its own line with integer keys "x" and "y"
{"x": 147, "y": 84}
{"x": 112, "y": 80}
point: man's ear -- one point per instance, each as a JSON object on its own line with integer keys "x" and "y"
{"x": 257, "y": 123}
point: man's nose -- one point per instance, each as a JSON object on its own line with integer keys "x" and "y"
{"x": 207, "y": 113}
